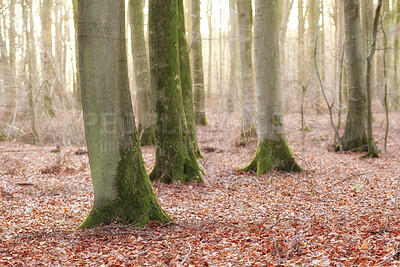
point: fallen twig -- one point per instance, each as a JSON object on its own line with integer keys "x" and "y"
{"x": 397, "y": 192}
{"x": 348, "y": 178}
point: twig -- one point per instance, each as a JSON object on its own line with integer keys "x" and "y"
{"x": 187, "y": 255}
{"x": 348, "y": 178}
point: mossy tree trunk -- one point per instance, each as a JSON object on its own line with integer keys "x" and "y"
{"x": 197, "y": 59}
{"x": 186, "y": 81}
{"x": 273, "y": 151}
{"x": 122, "y": 189}
{"x": 175, "y": 156}
{"x": 144, "y": 103}
{"x": 245, "y": 15}
{"x": 354, "y": 137}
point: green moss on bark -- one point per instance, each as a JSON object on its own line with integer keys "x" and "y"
{"x": 273, "y": 155}
{"x": 135, "y": 202}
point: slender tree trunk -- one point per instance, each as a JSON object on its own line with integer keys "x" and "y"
{"x": 273, "y": 151}
{"x": 372, "y": 150}
{"x": 246, "y": 61}
{"x": 186, "y": 81}
{"x": 122, "y": 190}
{"x": 144, "y": 102}
{"x": 210, "y": 49}
{"x": 198, "y": 73}
{"x": 31, "y": 65}
{"x": 77, "y": 85}
{"x": 354, "y": 137}
{"x": 233, "y": 66}
{"x": 175, "y": 156}
{"x": 313, "y": 11}
{"x": 46, "y": 56}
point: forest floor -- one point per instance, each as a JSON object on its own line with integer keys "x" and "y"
{"x": 340, "y": 211}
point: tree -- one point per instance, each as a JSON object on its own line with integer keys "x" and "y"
{"x": 354, "y": 137}
{"x": 122, "y": 190}
{"x": 246, "y": 62}
{"x": 46, "y": 55}
{"x": 233, "y": 64}
{"x": 273, "y": 151}
{"x": 372, "y": 150}
{"x": 175, "y": 156}
{"x": 186, "y": 81}
{"x": 197, "y": 59}
{"x": 144, "y": 103}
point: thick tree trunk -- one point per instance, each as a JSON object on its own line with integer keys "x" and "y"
{"x": 175, "y": 156}
{"x": 197, "y": 59}
{"x": 122, "y": 190}
{"x": 144, "y": 102}
{"x": 354, "y": 138}
{"x": 77, "y": 85}
{"x": 246, "y": 61}
{"x": 273, "y": 151}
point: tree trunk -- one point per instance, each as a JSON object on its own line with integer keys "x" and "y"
{"x": 197, "y": 59}
{"x": 313, "y": 11}
{"x": 210, "y": 45}
{"x": 122, "y": 190}
{"x": 175, "y": 156}
{"x": 354, "y": 138}
{"x": 186, "y": 81}
{"x": 31, "y": 65}
{"x": 144, "y": 102}
{"x": 77, "y": 85}
{"x": 46, "y": 56}
{"x": 245, "y": 15}
{"x": 273, "y": 151}
{"x": 372, "y": 150}
{"x": 233, "y": 65}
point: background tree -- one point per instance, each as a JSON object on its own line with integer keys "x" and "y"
{"x": 122, "y": 190}
{"x": 46, "y": 55}
{"x": 144, "y": 102}
{"x": 175, "y": 156}
{"x": 372, "y": 150}
{"x": 245, "y": 15}
{"x": 197, "y": 59}
{"x": 354, "y": 137}
{"x": 186, "y": 80}
{"x": 273, "y": 151}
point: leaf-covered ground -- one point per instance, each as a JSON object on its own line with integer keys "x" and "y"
{"x": 340, "y": 211}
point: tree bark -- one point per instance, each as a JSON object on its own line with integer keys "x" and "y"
{"x": 197, "y": 59}
{"x": 46, "y": 56}
{"x": 233, "y": 65}
{"x": 246, "y": 61}
{"x": 122, "y": 190}
{"x": 144, "y": 101}
{"x": 273, "y": 151}
{"x": 175, "y": 156}
{"x": 372, "y": 150}
{"x": 354, "y": 137}
{"x": 186, "y": 81}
